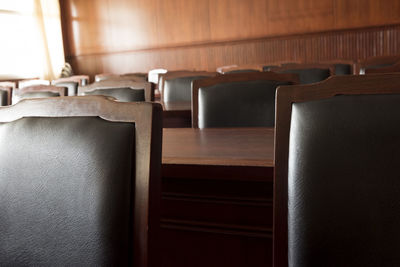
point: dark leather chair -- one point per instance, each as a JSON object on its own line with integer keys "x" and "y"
{"x": 240, "y": 68}
{"x": 82, "y": 80}
{"x": 121, "y": 90}
{"x": 341, "y": 66}
{"x": 33, "y": 82}
{"x": 308, "y": 73}
{"x": 237, "y": 100}
{"x": 376, "y": 62}
{"x": 38, "y": 91}
{"x": 177, "y": 86}
{"x": 79, "y": 182}
{"x": 336, "y": 196}
{"x": 389, "y": 69}
{"x": 5, "y": 95}
{"x": 136, "y": 77}
{"x": 72, "y": 87}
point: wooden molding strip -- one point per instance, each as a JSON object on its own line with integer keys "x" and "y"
{"x": 259, "y": 202}
{"x": 209, "y": 43}
{"x": 217, "y": 228}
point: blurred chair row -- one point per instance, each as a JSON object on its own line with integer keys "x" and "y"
{"x": 239, "y": 98}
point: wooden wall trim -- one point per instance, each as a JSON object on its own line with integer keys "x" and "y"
{"x": 217, "y": 228}
{"x": 314, "y": 47}
{"x": 295, "y": 36}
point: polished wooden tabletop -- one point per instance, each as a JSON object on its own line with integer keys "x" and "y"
{"x": 219, "y": 146}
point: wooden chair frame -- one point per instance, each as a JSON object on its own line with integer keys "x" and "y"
{"x": 227, "y": 69}
{"x": 180, "y": 74}
{"x": 301, "y": 66}
{"x": 350, "y": 62}
{"x": 32, "y": 82}
{"x": 147, "y": 171}
{"x": 378, "y": 60}
{"x": 389, "y": 69}
{"x": 109, "y": 84}
{"x": 136, "y": 77}
{"x": 75, "y": 78}
{"x": 234, "y": 77}
{"x": 62, "y": 91}
{"x": 286, "y": 96}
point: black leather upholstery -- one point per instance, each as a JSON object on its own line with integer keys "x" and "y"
{"x": 3, "y": 97}
{"x": 121, "y": 94}
{"x": 179, "y": 89}
{"x": 343, "y": 182}
{"x": 269, "y": 67}
{"x": 241, "y": 71}
{"x": 312, "y": 75}
{"x": 238, "y": 104}
{"x": 71, "y": 86}
{"x": 65, "y": 192}
{"x": 343, "y": 69}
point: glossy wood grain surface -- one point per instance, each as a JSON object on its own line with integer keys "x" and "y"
{"x": 137, "y": 35}
{"x": 219, "y": 146}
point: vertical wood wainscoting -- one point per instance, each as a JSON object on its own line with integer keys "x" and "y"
{"x": 313, "y": 47}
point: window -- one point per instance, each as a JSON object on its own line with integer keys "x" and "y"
{"x": 31, "y": 39}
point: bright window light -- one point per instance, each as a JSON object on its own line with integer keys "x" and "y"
{"x": 31, "y": 44}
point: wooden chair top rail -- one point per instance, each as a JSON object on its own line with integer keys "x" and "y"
{"x": 286, "y": 95}
{"x": 378, "y": 60}
{"x": 234, "y": 77}
{"x": 181, "y": 74}
{"x": 388, "y": 69}
{"x": 227, "y": 69}
{"x": 62, "y": 91}
{"x": 301, "y": 66}
{"x": 363, "y": 64}
{"x": 8, "y": 84}
{"x": 75, "y": 78}
{"x": 25, "y": 83}
{"x": 125, "y": 76}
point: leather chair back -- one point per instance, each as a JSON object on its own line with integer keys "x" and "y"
{"x": 237, "y": 100}
{"x": 82, "y": 80}
{"x": 343, "y": 69}
{"x": 3, "y": 97}
{"x": 72, "y": 87}
{"x": 122, "y": 90}
{"x": 376, "y": 62}
{"x": 125, "y": 94}
{"x": 336, "y": 173}
{"x": 179, "y": 89}
{"x": 75, "y": 181}
{"x": 176, "y": 86}
{"x": 38, "y": 91}
{"x": 308, "y": 73}
{"x": 388, "y": 69}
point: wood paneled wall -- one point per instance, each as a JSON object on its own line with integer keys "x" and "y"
{"x": 137, "y": 35}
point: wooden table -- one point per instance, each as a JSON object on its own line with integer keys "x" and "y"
{"x": 217, "y": 197}
{"x": 177, "y": 114}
